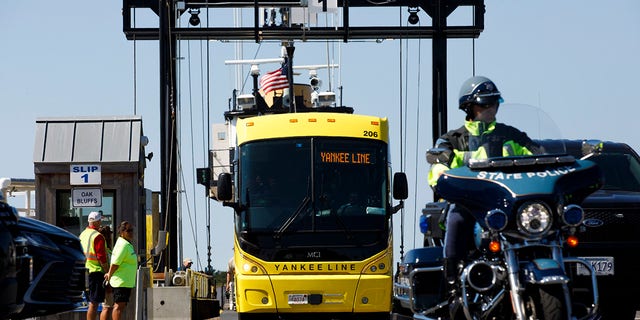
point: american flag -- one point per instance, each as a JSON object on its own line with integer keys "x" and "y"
{"x": 274, "y": 80}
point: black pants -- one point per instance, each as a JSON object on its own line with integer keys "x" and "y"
{"x": 96, "y": 290}
{"x": 459, "y": 233}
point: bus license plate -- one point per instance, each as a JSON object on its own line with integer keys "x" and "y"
{"x": 298, "y": 299}
{"x": 603, "y": 266}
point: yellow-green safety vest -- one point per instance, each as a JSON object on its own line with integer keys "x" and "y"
{"x": 87, "y": 237}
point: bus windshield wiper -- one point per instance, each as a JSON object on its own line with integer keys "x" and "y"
{"x": 286, "y": 224}
{"x": 347, "y": 231}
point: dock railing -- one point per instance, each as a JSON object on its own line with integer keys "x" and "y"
{"x": 200, "y": 283}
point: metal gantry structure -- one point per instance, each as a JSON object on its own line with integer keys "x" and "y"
{"x": 167, "y": 33}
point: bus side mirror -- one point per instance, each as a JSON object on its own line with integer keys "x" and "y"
{"x": 400, "y": 186}
{"x": 224, "y": 187}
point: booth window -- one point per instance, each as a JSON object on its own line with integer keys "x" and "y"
{"x": 74, "y": 219}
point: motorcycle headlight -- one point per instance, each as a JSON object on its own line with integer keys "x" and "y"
{"x": 534, "y": 218}
{"x": 573, "y": 215}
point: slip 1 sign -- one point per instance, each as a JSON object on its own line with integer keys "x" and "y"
{"x": 86, "y": 197}
{"x": 85, "y": 174}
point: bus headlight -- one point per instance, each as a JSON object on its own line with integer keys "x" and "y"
{"x": 247, "y": 267}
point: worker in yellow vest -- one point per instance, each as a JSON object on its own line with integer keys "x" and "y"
{"x": 95, "y": 250}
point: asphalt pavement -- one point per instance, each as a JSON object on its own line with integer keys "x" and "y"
{"x": 228, "y": 315}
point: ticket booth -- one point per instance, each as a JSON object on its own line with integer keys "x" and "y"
{"x": 85, "y": 164}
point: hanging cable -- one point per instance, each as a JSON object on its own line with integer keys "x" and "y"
{"x": 473, "y": 47}
{"x": 326, "y": 23}
{"x": 415, "y": 183}
{"x": 209, "y": 269}
{"x": 401, "y": 135}
{"x": 204, "y": 102}
{"x": 191, "y": 222}
{"x": 180, "y": 181}
{"x": 191, "y": 216}
{"x": 135, "y": 69}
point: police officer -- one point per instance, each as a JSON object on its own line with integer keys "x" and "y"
{"x": 479, "y": 138}
{"x": 95, "y": 250}
{"x": 186, "y": 264}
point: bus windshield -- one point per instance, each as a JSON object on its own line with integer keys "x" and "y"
{"x": 328, "y": 195}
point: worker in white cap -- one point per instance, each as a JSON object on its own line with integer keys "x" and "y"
{"x": 186, "y": 264}
{"x": 95, "y": 250}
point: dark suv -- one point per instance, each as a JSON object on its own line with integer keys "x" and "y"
{"x": 42, "y": 268}
{"x": 610, "y": 234}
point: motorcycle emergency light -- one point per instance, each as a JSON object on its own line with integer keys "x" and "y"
{"x": 496, "y": 220}
{"x": 519, "y": 162}
{"x": 573, "y": 215}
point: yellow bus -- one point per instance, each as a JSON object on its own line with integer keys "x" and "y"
{"x": 312, "y": 195}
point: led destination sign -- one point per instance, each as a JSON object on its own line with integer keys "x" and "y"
{"x": 346, "y": 157}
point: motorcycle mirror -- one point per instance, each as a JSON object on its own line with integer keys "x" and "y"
{"x": 438, "y": 155}
{"x": 591, "y": 147}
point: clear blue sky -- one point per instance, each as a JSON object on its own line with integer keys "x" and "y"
{"x": 577, "y": 60}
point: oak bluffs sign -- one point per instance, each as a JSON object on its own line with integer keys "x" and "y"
{"x": 89, "y": 175}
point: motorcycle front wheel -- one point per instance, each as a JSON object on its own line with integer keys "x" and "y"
{"x": 549, "y": 303}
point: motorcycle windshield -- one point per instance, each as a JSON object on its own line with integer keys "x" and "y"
{"x": 531, "y": 120}
{"x": 536, "y": 123}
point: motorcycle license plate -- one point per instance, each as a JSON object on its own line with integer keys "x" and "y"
{"x": 603, "y": 266}
{"x": 298, "y": 299}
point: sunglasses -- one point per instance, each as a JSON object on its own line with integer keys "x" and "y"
{"x": 129, "y": 230}
{"x": 487, "y": 106}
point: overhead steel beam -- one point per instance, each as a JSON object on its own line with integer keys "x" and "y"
{"x": 324, "y": 33}
{"x": 290, "y": 3}
{"x": 346, "y": 32}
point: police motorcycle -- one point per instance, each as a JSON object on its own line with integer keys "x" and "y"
{"x": 527, "y": 208}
